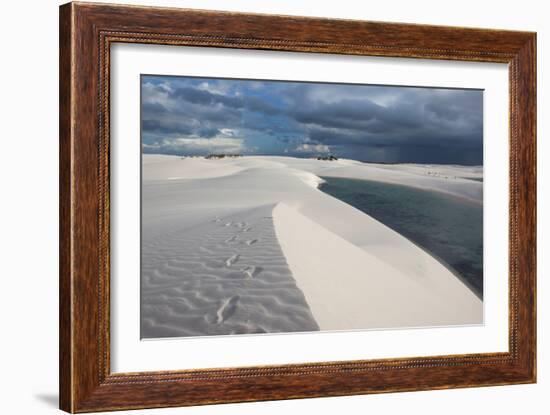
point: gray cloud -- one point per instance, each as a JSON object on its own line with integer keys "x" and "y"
{"x": 369, "y": 123}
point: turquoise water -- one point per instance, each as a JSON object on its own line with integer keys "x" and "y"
{"x": 448, "y": 227}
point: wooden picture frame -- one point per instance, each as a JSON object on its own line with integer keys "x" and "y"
{"x": 86, "y": 33}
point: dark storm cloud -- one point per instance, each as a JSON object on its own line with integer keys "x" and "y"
{"x": 347, "y": 114}
{"x": 201, "y": 97}
{"x": 414, "y": 119}
{"x": 165, "y": 127}
{"x": 197, "y": 96}
{"x": 369, "y": 123}
{"x": 207, "y": 132}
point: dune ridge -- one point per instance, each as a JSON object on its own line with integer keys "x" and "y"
{"x": 383, "y": 296}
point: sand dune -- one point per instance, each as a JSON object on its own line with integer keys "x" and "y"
{"x": 385, "y": 293}
{"x": 249, "y": 245}
{"x": 455, "y": 180}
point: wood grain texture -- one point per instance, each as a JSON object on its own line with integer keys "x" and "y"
{"x": 65, "y": 245}
{"x": 86, "y": 33}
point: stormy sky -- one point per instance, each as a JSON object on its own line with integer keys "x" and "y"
{"x": 201, "y": 116}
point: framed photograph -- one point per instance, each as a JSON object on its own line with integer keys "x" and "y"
{"x": 258, "y": 207}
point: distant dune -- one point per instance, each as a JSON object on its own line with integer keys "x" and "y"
{"x": 250, "y": 245}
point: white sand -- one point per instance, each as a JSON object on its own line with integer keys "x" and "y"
{"x": 455, "y": 180}
{"x": 224, "y": 276}
{"x": 354, "y": 272}
{"x": 348, "y": 287}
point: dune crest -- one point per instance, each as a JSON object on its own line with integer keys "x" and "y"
{"x": 348, "y": 287}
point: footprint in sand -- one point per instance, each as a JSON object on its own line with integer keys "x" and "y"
{"x": 231, "y": 260}
{"x": 232, "y": 239}
{"x": 251, "y": 272}
{"x": 251, "y": 242}
{"x": 227, "y": 309}
{"x": 247, "y": 229}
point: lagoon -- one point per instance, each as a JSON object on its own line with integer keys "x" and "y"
{"x": 448, "y": 227}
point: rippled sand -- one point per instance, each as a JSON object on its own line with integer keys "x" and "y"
{"x": 225, "y": 276}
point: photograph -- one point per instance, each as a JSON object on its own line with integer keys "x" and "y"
{"x": 276, "y": 206}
